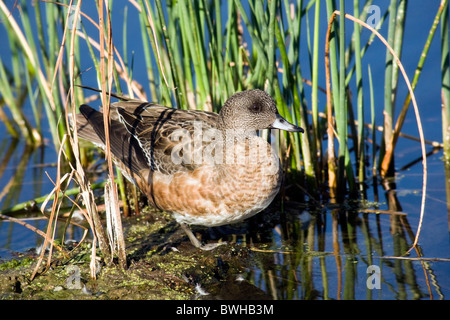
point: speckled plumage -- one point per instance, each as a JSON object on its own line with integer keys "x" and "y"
{"x": 205, "y": 168}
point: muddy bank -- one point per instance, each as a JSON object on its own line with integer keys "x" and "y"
{"x": 162, "y": 264}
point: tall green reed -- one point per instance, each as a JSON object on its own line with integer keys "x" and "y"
{"x": 445, "y": 76}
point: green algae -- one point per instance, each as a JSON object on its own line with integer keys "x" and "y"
{"x": 16, "y": 263}
{"x": 162, "y": 264}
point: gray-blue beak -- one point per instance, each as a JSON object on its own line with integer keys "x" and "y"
{"x": 283, "y": 124}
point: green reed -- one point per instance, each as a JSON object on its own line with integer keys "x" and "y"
{"x": 445, "y": 76}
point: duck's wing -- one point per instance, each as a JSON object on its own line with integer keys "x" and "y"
{"x": 122, "y": 144}
{"x": 166, "y": 136}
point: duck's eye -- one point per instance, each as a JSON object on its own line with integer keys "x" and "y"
{"x": 255, "y": 108}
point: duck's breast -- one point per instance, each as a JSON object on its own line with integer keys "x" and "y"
{"x": 217, "y": 194}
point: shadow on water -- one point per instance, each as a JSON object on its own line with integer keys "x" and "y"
{"x": 337, "y": 254}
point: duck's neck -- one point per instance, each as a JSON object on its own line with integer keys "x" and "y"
{"x": 244, "y": 148}
{"x": 237, "y": 135}
{"x": 228, "y": 124}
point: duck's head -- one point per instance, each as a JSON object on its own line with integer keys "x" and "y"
{"x": 253, "y": 110}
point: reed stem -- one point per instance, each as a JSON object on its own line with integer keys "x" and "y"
{"x": 445, "y": 79}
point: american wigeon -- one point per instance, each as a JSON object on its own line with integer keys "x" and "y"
{"x": 204, "y": 168}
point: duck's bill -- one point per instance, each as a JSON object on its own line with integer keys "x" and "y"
{"x": 283, "y": 124}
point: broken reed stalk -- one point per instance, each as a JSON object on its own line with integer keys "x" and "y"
{"x": 91, "y": 214}
{"x": 413, "y": 99}
{"x": 86, "y": 193}
{"x": 106, "y": 84}
{"x": 55, "y": 206}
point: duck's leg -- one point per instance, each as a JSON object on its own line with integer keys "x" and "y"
{"x": 197, "y": 242}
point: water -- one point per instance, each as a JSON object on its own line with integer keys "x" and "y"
{"x": 320, "y": 253}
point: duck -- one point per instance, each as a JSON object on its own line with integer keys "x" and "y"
{"x": 204, "y": 168}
